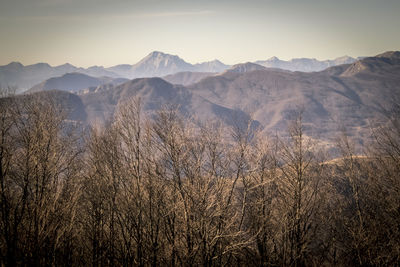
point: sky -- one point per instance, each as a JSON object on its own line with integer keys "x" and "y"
{"x": 111, "y": 32}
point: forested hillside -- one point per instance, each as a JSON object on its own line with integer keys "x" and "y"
{"x": 164, "y": 190}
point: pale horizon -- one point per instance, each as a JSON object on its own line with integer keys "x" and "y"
{"x": 132, "y": 63}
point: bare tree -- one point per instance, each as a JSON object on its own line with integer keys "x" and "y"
{"x": 39, "y": 181}
{"x": 262, "y": 197}
{"x": 10, "y": 219}
{"x": 301, "y": 175}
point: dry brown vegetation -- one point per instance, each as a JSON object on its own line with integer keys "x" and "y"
{"x": 164, "y": 191}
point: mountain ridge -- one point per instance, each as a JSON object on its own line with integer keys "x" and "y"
{"x": 73, "y": 82}
{"x": 339, "y": 97}
{"x": 305, "y": 64}
{"x": 155, "y": 64}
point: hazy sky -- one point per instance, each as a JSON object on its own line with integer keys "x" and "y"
{"x": 110, "y": 32}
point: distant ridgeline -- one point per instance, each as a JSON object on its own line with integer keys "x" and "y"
{"x": 356, "y": 97}
{"x": 156, "y": 64}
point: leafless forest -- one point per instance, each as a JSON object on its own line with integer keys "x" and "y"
{"x": 164, "y": 191}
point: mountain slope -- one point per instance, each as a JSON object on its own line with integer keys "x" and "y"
{"x": 156, "y": 93}
{"x": 211, "y": 66}
{"x": 24, "y": 77}
{"x": 304, "y": 64}
{"x": 70, "y": 104}
{"x": 351, "y": 96}
{"x": 158, "y": 64}
{"x": 245, "y": 67}
{"x": 384, "y": 64}
{"x": 72, "y": 82}
{"x": 187, "y": 78}
{"x": 329, "y": 98}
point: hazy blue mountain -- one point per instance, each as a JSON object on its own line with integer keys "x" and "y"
{"x": 387, "y": 64}
{"x": 353, "y": 96}
{"x": 304, "y": 64}
{"x": 73, "y": 82}
{"x": 347, "y": 96}
{"x": 245, "y": 67}
{"x": 98, "y": 71}
{"x": 156, "y": 93}
{"x": 123, "y": 70}
{"x": 24, "y": 77}
{"x": 211, "y": 66}
{"x": 66, "y": 68}
{"x": 187, "y": 77}
{"x": 156, "y": 64}
{"x": 68, "y": 102}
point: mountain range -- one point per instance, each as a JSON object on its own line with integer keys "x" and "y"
{"x": 305, "y": 64}
{"x": 156, "y": 64}
{"x": 75, "y": 82}
{"x": 355, "y": 97}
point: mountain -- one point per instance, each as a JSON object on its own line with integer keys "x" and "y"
{"x": 390, "y": 54}
{"x": 331, "y": 99}
{"x": 73, "y": 82}
{"x": 13, "y": 66}
{"x": 211, "y": 66}
{"x": 69, "y": 103}
{"x": 108, "y": 85}
{"x": 158, "y": 64}
{"x": 245, "y": 67}
{"x": 123, "y": 70}
{"x": 156, "y": 93}
{"x": 356, "y": 96}
{"x": 384, "y": 64}
{"x": 341, "y": 61}
{"x": 304, "y": 64}
{"x": 187, "y": 77}
{"x": 66, "y": 68}
{"x": 98, "y": 71}
{"x": 24, "y": 77}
